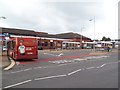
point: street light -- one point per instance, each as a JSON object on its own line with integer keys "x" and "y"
{"x": 82, "y": 27}
{"x": 81, "y": 35}
{"x": 94, "y": 31}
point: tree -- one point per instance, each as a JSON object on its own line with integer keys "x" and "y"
{"x": 106, "y": 39}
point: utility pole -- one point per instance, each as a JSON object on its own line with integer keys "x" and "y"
{"x": 81, "y": 36}
{"x": 94, "y": 32}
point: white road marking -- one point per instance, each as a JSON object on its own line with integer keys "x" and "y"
{"x": 80, "y": 59}
{"x": 98, "y": 67}
{"x": 83, "y": 69}
{"x": 18, "y": 84}
{"x": 74, "y": 72}
{"x": 54, "y": 54}
{"x": 62, "y": 64}
{"x": 12, "y": 64}
{"x": 22, "y": 70}
{"x": 37, "y": 67}
{"x": 17, "y": 63}
{"x": 27, "y": 69}
{"x": 90, "y": 68}
{"x": 62, "y": 61}
{"x": 50, "y": 54}
{"x": 102, "y": 65}
{"x": 60, "y": 54}
{"x": 95, "y": 57}
{"x": 50, "y": 77}
{"x": 44, "y": 67}
{"x": 17, "y": 71}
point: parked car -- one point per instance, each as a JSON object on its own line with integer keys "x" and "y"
{"x": 40, "y": 48}
{"x": 87, "y": 47}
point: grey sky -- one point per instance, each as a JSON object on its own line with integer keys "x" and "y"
{"x": 59, "y": 16}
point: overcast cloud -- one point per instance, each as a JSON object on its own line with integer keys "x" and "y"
{"x": 57, "y": 16}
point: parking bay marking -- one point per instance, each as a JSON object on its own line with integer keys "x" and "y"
{"x": 18, "y": 84}
{"x": 50, "y": 77}
{"x": 90, "y": 68}
{"x": 37, "y": 67}
{"x": 28, "y": 69}
{"x": 102, "y": 65}
{"x": 74, "y": 72}
{"x": 17, "y": 71}
{"x": 61, "y": 54}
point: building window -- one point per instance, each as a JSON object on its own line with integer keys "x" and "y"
{"x": 42, "y": 43}
{"x": 38, "y": 43}
{"x": 46, "y": 43}
{"x": 58, "y": 42}
{"x": 51, "y": 44}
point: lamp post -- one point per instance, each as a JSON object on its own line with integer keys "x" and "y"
{"x": 82, "y": 27}
{"x": 94, "y": 32}
{"x": 81, "y": 36}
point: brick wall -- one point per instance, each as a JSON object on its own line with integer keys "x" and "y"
{"x": 49, "y": 44}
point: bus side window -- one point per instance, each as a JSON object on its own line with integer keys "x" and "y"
{"x": 13, "y": 44}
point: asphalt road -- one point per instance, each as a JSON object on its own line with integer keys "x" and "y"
{"x": 75, "y": 72}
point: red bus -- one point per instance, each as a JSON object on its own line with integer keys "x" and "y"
{"x": 23, "y": 48}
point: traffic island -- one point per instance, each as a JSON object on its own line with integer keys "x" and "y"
{"x": 11, "y": 65}
{"x": 7, "y": 63}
